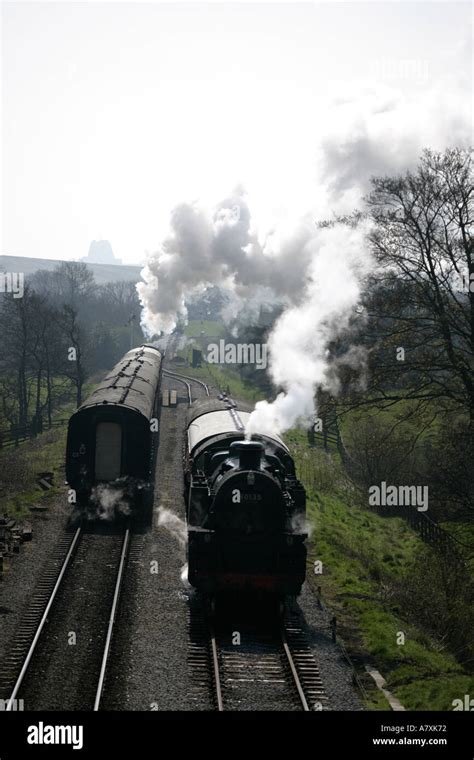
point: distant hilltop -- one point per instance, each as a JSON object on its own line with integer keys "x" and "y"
{"x": 107, "y": 272}
{"x": 100, "y": 252}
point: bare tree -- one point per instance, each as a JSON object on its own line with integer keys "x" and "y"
{"x": 417, "y": 303}
{"x": 74, "y": 351}
{"x": 17, "y": 337}
{"x": 419, "y": 326}
{"x": 70, "y": 283}
{"x": 45, "y": 356}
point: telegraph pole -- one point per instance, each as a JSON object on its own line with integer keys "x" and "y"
{"x": 130, "y": 322}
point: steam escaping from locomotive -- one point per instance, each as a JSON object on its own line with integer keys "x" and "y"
{"x": 173, "y": 524}
{"x": 109, "y": 500}
{"x": 299, "y": 340}
{"x": 221, "y": 247}
{"x": 313, "y": 274}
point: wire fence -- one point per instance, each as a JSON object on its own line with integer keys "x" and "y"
{"x": 331, "y": 442}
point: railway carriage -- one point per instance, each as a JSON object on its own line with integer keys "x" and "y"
{"x": 110, "y": 436}
{"x": 245, "y": 507}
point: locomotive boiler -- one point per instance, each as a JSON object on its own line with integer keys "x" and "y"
{"x": 245, "y": 507}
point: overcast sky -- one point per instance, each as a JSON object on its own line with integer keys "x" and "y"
{"x": 114, "y": 112}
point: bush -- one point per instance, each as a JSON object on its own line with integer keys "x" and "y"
{"x": 438, "y": 595}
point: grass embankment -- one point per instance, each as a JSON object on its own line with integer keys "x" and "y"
{"x": 365, "y": 559}
{"x": 430, "y": 426}
{"x": 41, "y": 454}
{"x": 204, "y": 328}
{"x": 224, "y": 378}
{"x": 20, "y": 465}
{"x": 221, "y": 376}
{"x": 363, "y": 555}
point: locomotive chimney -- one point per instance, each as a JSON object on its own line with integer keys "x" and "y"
{"x": 249, "y": 454}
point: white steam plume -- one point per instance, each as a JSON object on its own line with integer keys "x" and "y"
{"x": 315, "y": 274}
{"x": 298, "y": 343}
{"x": 110, "y": 500}
{"x": 173, "y": 524}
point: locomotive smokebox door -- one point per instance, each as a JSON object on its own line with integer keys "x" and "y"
{"x": 108, "y": 451}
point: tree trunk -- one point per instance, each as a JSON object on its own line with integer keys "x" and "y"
{"x": 38, "y": 425}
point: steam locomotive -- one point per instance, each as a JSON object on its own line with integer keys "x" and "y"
{"x": 245, "y": 507}
{"x": 110, "y": 436}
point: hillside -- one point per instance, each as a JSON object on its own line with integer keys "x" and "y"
{"x": 102, "y": 272}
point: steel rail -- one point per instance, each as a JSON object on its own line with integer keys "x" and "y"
{"x": 294, "y": 672}
{"x": 215, "y": 667}
{"x": 188, "y": 377}
{"x": 113, "y": 615}
{"x": 180, "y": 380}
{"x": 43, "y": 620}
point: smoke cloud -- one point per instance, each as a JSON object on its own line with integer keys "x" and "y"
{"x": 221, "y": 248}
{"x": 314, "y": 274}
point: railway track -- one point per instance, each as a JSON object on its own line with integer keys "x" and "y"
{"x": 179, "y": 376}
{"x": 112, "y": 619}
{"x": 12, "y": 662}
{"x": 186, "y": 380}
{"x": 194, "y": 380}
{"x": 172, "y": 423}
{"x": 255, "y": 668}
{"x": 172, "y": 376}
{"x": 40, "y": 654}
